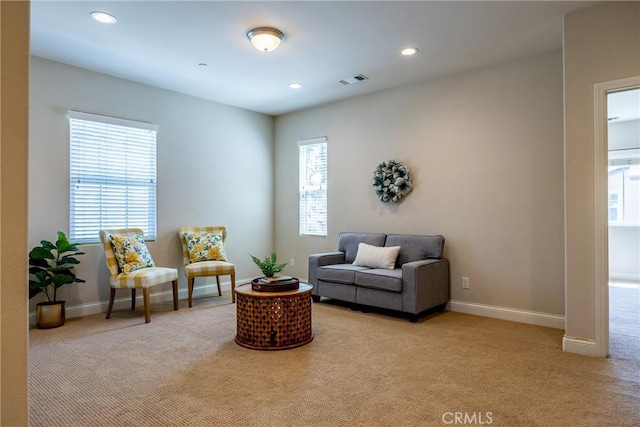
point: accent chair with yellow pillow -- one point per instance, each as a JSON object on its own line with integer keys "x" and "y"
{"x": 131, "y": 267}
{"x": 204, "y": 256}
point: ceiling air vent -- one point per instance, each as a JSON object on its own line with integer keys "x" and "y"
{"x": 355, "y": 79}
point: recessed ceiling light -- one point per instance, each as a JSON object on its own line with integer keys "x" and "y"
{"x": 203, "y": 65}
{"x": 104, "y": 17}
{"x": 409, "y": 51}
{"x": 295, "y": 85}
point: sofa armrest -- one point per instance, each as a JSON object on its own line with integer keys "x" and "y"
{"x": 318, "y": 260}
{"x": 425, "y": 284}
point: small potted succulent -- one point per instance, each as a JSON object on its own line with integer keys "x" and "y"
{"x": 51, "y": 267}
{"x": 272, "y": 282}
{"x": 269, "y": 266}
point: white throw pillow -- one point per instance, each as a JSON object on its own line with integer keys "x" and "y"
{"x": 376, "y": 256}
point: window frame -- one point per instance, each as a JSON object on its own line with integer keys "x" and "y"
{"x": 123, "y": 197}
{"x": 304, "y": 193}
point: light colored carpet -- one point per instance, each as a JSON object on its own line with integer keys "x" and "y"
{"x": 184, "y": 369}
{"x": 624, "y": 320}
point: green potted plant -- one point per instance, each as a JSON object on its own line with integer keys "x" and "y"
{"x": 51, "y": 267}
{"x": 269, "y": 266}
{"x": 271, "y": 281}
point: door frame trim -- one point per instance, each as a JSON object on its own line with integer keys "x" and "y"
{"x": 601, "y": 190}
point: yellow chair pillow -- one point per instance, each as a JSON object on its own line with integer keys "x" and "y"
{"x": 131, "y": 252}
{"x": 205, "y": 246}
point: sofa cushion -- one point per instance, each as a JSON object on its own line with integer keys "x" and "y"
{"x": 376, "y": 256}
{"x": 378, "y": 278}
{"x": 348, "y": 243}
{"x": 415, "y": 247}
{"x": 339, "y": 273}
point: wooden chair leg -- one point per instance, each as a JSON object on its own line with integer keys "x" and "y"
{"x": 233, "y": 287}
{"x": 147, "y": 309}
{"x": 190, "y": 290}
{"x": 175, "y": 295}
{"x": 111, "y": 298}
{"x": 219, "y": 289}
{"x": 133, "y": 299}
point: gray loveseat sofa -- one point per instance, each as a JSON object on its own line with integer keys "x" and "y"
{"x": 418, "y": 282}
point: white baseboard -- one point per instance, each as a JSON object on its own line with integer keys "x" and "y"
{"x": 579, "y": 346}
{"x": 124, "y": 302}
{"x": 511, "y": 314}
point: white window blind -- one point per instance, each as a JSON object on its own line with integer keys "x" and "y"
{"x": 312, "y": 178}
{"x": 113, "y": 176}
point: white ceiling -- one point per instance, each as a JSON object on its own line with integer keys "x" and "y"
{"x": 161, "y": 43}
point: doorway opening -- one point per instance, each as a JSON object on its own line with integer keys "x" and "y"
{"x": 623, "y": 216}
{"x": 602, "y": 92}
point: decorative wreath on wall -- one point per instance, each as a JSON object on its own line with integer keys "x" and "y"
{"x": 391, "y": 181}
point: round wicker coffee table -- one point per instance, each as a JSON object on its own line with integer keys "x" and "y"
{"x": 273, "y": 320}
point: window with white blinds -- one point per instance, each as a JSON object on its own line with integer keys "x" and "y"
{"x": 113, "y": 176}
{"x": 312, "y": 178}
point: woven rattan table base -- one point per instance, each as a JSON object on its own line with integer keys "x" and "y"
{"x": 273, "y": 320}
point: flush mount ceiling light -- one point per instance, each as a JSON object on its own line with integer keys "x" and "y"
{"x": 409, "y": 51}
{"x": 104, "y": 17}
{"x": 265, "y": 39}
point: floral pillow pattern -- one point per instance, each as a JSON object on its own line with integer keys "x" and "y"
{"x": 131, "y": 252}
{"x": 206, "y": 246}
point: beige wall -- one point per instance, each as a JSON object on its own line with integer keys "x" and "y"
{"x": 14, "y": 72}
{"x": 601, "y": 44}
{"x": 485, "y": 152}
{"x": 215, "y": 166}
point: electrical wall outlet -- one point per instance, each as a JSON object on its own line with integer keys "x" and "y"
{"x": 465, "y": 283}
{"x": 292, "y": 262}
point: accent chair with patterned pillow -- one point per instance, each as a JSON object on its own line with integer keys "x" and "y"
{"x": 204, "y": 255}
{"x": 131, "y": 267}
